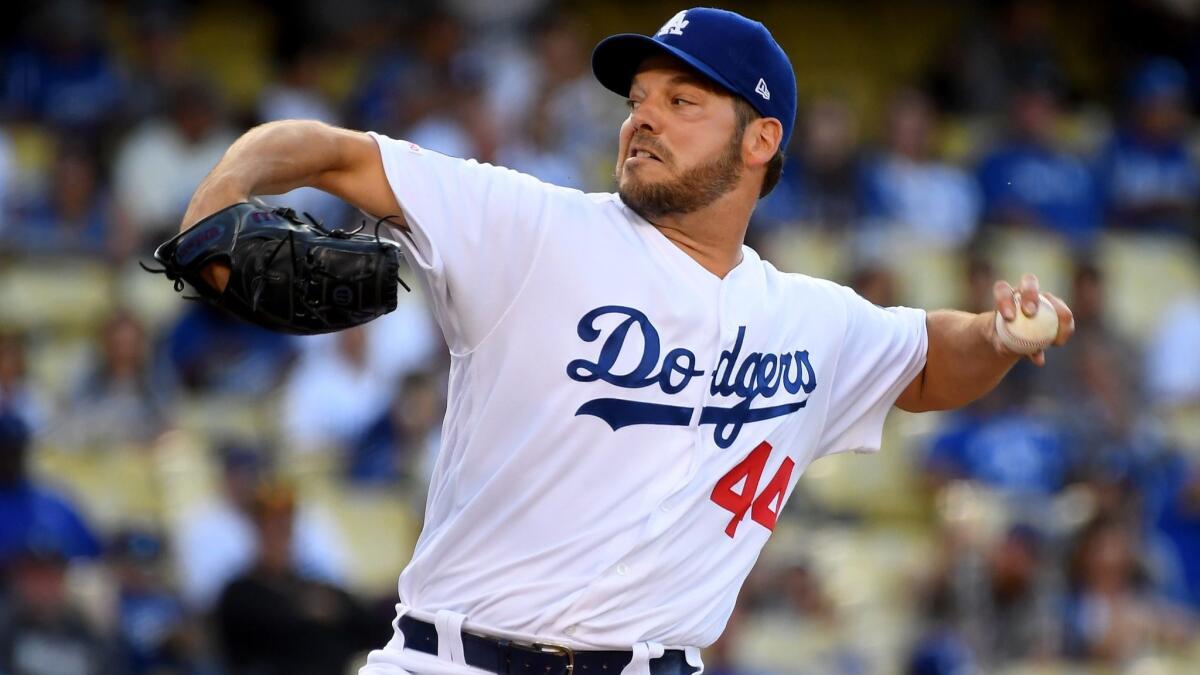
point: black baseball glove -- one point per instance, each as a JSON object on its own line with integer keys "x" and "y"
{"x": 286, "y": 274}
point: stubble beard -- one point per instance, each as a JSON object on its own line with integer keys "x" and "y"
{"x": 691, "y": 191}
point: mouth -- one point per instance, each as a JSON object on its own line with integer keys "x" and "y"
{"x": 639, "y": 152}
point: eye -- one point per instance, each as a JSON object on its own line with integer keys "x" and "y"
{"x": 679, "y": 101}
{"x": 631, "y": 104}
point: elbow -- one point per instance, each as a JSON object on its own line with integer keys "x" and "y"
{"x": 927, "y": 404}
{"x": 921, "y": 397}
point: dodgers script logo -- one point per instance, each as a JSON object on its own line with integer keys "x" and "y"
{"x": 744, "y": 377}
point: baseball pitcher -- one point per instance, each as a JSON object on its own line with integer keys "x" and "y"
{"x": 633, "y": 392}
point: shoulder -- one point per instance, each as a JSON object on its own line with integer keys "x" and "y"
{"x": 403, "y": 153}
{"x": 607, "y": 203}
{"x": 794, "y": 281}
{"x": 807, "y": 290}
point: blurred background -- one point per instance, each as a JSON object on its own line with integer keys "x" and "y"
{"x": 184, "y": 494}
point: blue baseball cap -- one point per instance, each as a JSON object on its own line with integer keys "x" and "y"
{"x": 737, "y": 53}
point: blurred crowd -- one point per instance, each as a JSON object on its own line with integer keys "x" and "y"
{"x": 1056, "y": 521}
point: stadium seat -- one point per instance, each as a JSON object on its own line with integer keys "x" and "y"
{"x": 879, "y": 486}
{"x": 803, "y": 250}
{"x": 188, "y": 472}
{"x": 55, "y": 293}
{"x": 33, "y": 149}
{"x": 379, "y": 527}
{"x": 1181, "y": 427}
{"x": 1145, "y": 274}
{"x": 925, "y": 277}
{"x": 1015, "y": 251}
{"x": 113, "y": 487}
{"x": 57, "y": 359}
{"x": 866, "y": 572}
{"x": 149, "y": 296}
{"x": 242, "y": 72}
{"x": 214, "y": 416}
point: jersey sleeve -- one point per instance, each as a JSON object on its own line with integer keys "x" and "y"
{"x": 474, "y": 232}
{"x": 882, "y": 351}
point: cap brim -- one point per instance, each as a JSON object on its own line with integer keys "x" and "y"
{"x": 616, "y": 59}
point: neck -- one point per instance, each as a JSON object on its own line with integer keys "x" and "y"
{"x": 713, "y": 235}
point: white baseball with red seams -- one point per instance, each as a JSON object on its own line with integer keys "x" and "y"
{"x": 623, "y": 427}
{"x": 1029, "y": 334}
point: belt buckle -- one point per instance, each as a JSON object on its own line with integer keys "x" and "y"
{"x": 560, "y": 650}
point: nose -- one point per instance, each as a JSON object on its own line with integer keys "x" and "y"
{"x": 645, "y": 117}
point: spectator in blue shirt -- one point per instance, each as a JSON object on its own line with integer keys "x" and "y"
{"x": 75, "y": 214}
{"x": 909, "y": 189}
{"x": 30, "y": 512}
{"x": 1028, "y": 181}
{"x": 1113, "y": 612}
{"x": 403, "y": 440}
{"x": 999, "y": 442}
{"x": 1148, "y": 179}
{"x": 821, "y": 185}
{"x": 63, "y": 75}
{"x": 154, "y": 631}
{"x": 211, "y": 352}
{"x": 1012, "y": 450}
{"x": 44, "y": 630}
{"x": 1173, "y": 511}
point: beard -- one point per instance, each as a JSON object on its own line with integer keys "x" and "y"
{"x": 690, "y": 191}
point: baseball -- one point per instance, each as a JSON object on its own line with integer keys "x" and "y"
{"x": 1029, "y": 334}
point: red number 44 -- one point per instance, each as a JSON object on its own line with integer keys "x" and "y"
{"x": 763, "y": 507}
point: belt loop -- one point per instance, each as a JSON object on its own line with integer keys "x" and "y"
{"x": 397, "y": 641}
{"x": 449, "y": 632}
{"x": 642, "y": 653}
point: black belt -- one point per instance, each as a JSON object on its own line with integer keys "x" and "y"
{"x": 507, "y": 657}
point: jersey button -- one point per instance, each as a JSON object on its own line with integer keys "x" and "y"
{"x": 622, "y": 569}
{"x": 569, "y": 630}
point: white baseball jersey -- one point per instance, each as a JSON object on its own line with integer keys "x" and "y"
{"x": 623, "y": 427}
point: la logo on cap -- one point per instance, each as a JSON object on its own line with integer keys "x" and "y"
{"x": 675, "y": 26}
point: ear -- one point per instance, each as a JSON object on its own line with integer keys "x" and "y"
{"x": 761, "y": 141}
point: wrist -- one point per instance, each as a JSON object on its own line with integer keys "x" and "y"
{"x": 210, "y": 197}
{"x": 988, "y": 327}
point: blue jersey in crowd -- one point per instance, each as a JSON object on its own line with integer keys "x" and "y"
{"x": 1012, "y": 451}
{"x": 1135, "y": 175}
{"x": 34, "y": 517}
{"x": 1024, "y": 182}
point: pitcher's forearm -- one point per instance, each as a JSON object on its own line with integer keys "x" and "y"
{"x": 966, "y": 357}
{"x": 963, "y": 362}
{"x": 281, "y": 156}
{"x": 269, "y": 159}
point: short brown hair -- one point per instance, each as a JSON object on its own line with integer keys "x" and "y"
{"x": 745, "y": 115}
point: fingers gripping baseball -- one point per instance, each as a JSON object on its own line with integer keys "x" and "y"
{"x": 1028, "y": 321}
